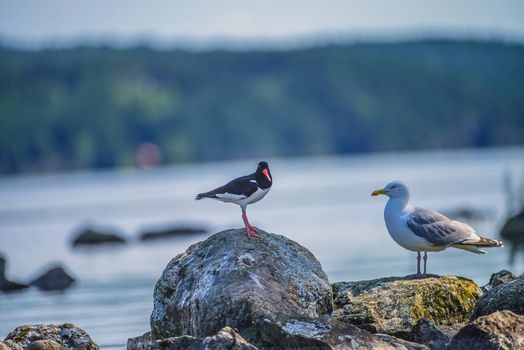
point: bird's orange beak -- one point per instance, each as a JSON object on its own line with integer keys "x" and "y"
{"x": 265, "y": 172}
{"x": 377, "y": 192}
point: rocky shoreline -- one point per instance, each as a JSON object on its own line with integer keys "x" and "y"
{"x": 229, "y": 292}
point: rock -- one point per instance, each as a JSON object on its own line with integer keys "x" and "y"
{"x": 143, "y": 342}
{"x": 507, "y": 296}
{"x": 45, "y": 345}
{"x": 468, "y": 213}
{"x": 90, "y": 237}
{"x": 6, "y": 285}
{"x": 394, "y": 305}
{"x": 66, "y": 335}
{"x": 498, "y": 278}
{"x": 433, "y": 336}
{"x": 321, "y": 334}
{"x": 226, "y": 339}
{"x": 513, "y": 232}
{"x": 54, "y": 279}
{"x": 231, "y": 280}
{"x": 501, "y": 330}
{"x": 171, "y": 233}
{"x": 394, "y": 343}
{"x": 326, "y": 333}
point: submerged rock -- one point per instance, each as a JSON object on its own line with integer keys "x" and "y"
{"x": 395, "y": 305}
{"x": 171, "y": 233}
{"x": 468, "y": 213}
{"x": 90, "y": 237}
{"x": 507, "y": 296}
{"x": 46, "y": 336}
{"x": 501, "y": 330}
{"x": 6, "y": 285}
{"x": 513, "y": 232}
{"x": 230, "y": 280}
{"x": 226, "y": 339}
{"x": 54, "y": 279}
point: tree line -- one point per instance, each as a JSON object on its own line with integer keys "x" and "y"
{"x": 94, "y": 107}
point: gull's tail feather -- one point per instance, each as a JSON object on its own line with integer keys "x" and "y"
{"x": 469, "y": 248}
{"x": 482, "y": 242}
{"x": 488, "y": 242}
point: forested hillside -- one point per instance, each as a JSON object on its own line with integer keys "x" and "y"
{"x": 92, "y": 107}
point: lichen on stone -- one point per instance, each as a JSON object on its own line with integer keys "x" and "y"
{"x": 395, "y": 305}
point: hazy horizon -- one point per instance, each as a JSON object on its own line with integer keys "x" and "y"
{"x": 241, "y": 24}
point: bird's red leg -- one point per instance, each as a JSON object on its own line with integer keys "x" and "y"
{"x": 250, "y": 230}
{"x": 246, "y": 224}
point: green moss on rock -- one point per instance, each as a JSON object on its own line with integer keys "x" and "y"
{"x": 395, "y": 305}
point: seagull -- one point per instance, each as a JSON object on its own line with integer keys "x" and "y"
{"x": 243, "y": 191}
{"x": 424, "y": 230}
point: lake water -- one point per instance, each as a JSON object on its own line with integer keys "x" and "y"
{"x": 322, "y": 203}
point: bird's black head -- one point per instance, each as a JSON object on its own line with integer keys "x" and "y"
{"x": 263, "y": 175}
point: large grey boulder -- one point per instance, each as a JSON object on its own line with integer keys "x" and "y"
{"x": 394, "y": 305}
{"x": 501, "y": 330}
{"x": 49, "y": 337}
{"x": 230, "y": 280}
{"x": 506, "y": 296}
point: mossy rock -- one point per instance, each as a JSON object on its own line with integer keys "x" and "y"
{"x": 395, "y": 305}
{"x": 49, "y": 336}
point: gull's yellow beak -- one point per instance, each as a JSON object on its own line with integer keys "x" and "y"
{"x": 377, "y": 192}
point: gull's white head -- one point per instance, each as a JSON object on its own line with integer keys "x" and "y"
{"x": 395, "y": 189}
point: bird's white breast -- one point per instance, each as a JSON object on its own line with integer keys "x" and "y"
{"x": 255, "y": 197}
{"x": 396, "y": 216}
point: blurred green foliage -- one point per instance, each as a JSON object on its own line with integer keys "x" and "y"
{"x": 91, "y": 107}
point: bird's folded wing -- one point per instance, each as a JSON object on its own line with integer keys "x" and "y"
{"x": 438, "y": 229}
{"x": 239, "y": 188}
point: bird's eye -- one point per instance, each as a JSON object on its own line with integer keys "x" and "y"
{"x": 394, "y": 186}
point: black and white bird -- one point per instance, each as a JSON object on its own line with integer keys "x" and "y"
{"x": 425, "y": 230}
{"x": 243, "y": 191}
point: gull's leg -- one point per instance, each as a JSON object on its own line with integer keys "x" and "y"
{"x": 250, "y": 230}
{"x": 425, "y": 261}
{"x": 418, "y": 263}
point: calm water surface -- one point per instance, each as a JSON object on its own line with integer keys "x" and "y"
{"x": 322, "y": 203}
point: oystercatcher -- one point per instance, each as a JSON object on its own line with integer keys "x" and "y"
{"x": 425, "y": 230}
{"x": 243, "y": 191}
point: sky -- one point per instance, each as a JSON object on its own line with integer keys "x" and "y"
{"x": 40, "y": 23}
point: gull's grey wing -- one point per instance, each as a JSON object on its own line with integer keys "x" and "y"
{"x": 438, "y": 229}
